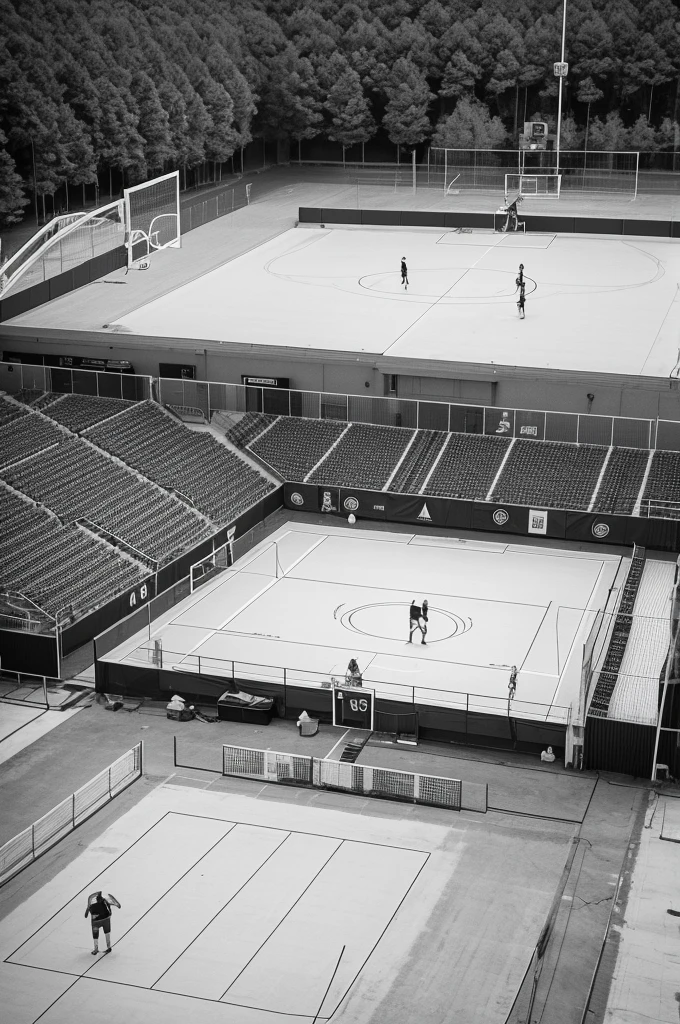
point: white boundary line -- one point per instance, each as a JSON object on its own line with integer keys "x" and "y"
{"x": 600, "y": 478}
{"x": 435, "y": 464}
{"x": 638, "y": 503}
{"x": 500, "y": 470}
{"x": 326, "y": 454}
{"x": 403, "y": 456}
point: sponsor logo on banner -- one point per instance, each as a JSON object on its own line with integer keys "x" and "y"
{"x": 351, "y": 504}
{"x": 538, "y": 521}
{"x": 327, "y": 502}
{"x": 297, "y": 498}
{"x": 378, "y": 508}
{"x": 600, "y": 530}
{"x": 500, "y": 517}
{"x": 531, "y": 431}
{"x": 424, "y": 514}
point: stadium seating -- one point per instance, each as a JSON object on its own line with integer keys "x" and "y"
{"x": 663, "y": 482}
{"x": 58, "y": 567}
{"x": 418, "y": 461}
{"x": 9, "y": 411}
{"x": 248, "y": 428}
{"x": 622, "y": 481}
{"x": 468, "y": 466}
{"x": 25, "y": 436}
{"x": 550, "y": 474}
{"x": 365, "y": 457}
{"x": 293, "y": 446}
{"x": 76, "y": 481}
{"x": 77, "y": 412}
{"x": 192, "y": 463}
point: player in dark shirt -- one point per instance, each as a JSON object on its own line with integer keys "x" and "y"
{"x": 520, "y": 303}
{"x": 99, "y": 909}
{"x": 404, "y": 273}
{"x": 418, "y": 620}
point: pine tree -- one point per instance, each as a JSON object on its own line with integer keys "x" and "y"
{"x": 351, "y": 118}
{"x": 12, "y": 199}
{"x": 406, "y": 119}
{"x": 470, "y": 126}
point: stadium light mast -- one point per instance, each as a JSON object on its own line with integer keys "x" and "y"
{"x": 561, "y": 72}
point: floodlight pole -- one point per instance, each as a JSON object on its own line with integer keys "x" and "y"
{"x": 559, "y": 101}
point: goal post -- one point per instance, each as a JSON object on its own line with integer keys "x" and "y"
{"x": 485, "y": 170}
{"x": 207, "y": 568}
{"x": 547, "y": 186}
{"x": 152, "y": 217}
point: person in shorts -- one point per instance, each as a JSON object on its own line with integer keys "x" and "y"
{"x": 418, "y": 620}
{"x": 520, "y": 303}
{"x": 99, "y": 909}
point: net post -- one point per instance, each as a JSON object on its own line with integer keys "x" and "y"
{"x": 446, "y": 153}
{"x": 637, "y": 171}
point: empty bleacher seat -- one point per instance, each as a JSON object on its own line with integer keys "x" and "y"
{"x": 550, "y": 474}
{"x": 468, "y": 466}
{"x": 365, "y": 457}
{"x": 219, "y": 483}
{"x": 293, "y": 446}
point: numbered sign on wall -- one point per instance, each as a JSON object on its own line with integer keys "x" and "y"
{"x": 353, "y": 707}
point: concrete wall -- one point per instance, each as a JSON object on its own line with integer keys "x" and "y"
{"x": 344, "y": 373}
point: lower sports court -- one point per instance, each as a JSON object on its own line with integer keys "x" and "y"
{"x": 245, "y": 905}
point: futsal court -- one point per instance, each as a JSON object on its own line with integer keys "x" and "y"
{"x": 340, "y": 289}
{"x": 311, "y": 597}
{"x": 242, "y": 910}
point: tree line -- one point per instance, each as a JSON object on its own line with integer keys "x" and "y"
{"x": 89, "y": 87}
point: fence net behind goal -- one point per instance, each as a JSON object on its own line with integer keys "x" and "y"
{"x": 152, "y": 216}
{"x": 485, "y": 170}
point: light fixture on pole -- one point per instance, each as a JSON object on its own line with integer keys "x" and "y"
{"x": 560, "y": 70}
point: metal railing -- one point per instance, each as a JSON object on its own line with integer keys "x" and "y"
{"x": 533, "y": 424}
{"x": 214, "y": 396}
{"x": 39, "y": 837}
{"x": 151, "y": 654}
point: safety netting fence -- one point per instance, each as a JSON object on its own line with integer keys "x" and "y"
{"x": 366, "y": 780}
{"x": 35, "y": 840}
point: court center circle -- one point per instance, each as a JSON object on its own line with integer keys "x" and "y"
{"x": 390, "y": 621}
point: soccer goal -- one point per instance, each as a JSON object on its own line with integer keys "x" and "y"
{"x": 547, "y": 186}
{"x": 152, "y": 217}
{"x": 207, "y": 568}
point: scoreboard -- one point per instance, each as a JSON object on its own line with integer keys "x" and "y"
{"x": 353, "y": 707}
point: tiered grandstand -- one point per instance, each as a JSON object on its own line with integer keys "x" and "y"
{"x": 553, "y": 474}
{"x": 215, "y": 480}
{"x": 76, "y": 481}
{"x": 467, "y": 466}
{"x": 86, "y": 519}
{"x": 59, "y": 568}
{"x": 77, "y": 412}
{"x": 480, "y": 467}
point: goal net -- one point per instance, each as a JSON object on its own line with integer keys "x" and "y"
{"x": 485, "y": 170}
{"x": 209, "y": 567}
{"x": 152, "y": 217}
{"x": 544, "y": 185}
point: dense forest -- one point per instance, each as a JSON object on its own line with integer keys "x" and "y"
{"x": 135, "y": 87}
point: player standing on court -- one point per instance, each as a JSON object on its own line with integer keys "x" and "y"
{"x": 99, "y": 909}
{"x": 418, "y": 620}
{"x": 520, "y": 301}
{"x": 404, "y": 273}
